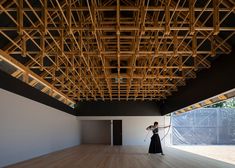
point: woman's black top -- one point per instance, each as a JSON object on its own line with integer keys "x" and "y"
{"x": 155, "y": 130}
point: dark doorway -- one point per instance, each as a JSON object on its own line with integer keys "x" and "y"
{"x": 117, "y": 132}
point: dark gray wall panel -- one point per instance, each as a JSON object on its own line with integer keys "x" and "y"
{"x": 96, "y": 132}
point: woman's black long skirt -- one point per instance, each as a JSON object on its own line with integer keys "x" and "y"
{"x": 155, "y": 144}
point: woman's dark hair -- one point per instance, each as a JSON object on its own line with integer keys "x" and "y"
{"x": 155, "y": 123}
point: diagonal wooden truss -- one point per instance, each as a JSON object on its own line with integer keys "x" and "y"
{"x": 115, "y": 50}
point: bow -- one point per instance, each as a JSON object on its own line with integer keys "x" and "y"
{"x": 168, "y": 129}
{"x": 146, "y": 136}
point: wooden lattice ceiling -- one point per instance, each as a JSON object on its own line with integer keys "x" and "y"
{"x": 114, "y": 50}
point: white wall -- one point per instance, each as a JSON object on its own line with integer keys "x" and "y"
{"x": 29, "y": 129}
{"x": 95, "y": 132}
{"x": 134, "y": 128}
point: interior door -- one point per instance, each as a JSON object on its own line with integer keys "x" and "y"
{"x": 117, "y": 132}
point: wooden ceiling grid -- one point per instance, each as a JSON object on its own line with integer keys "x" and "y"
{"x": 114, "y": 50}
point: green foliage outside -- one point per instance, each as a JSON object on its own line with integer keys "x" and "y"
{"x": 230, "y": 103}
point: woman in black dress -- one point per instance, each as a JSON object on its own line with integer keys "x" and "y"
{"x": 155, "y": 144}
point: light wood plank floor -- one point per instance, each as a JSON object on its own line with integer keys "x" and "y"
{"x": 224, "y": 153}
{"x": 99, "y": 156}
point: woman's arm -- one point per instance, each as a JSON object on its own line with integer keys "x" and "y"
{"x": 165, "y": 126}
{"x": 151, "y": 127}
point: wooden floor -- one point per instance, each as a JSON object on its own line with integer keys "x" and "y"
{"x": 99, "y": 156}
{"x": 224, "y": 153}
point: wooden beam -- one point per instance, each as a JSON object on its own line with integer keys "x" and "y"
{"x": 28, "y": 72}
{"x": 167, "y": 17}
{"x": 192, "y": 16}
{"x": 20, "y": 17}
{"x": 216, "y": 17}
{"x": 194, "y": 45}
